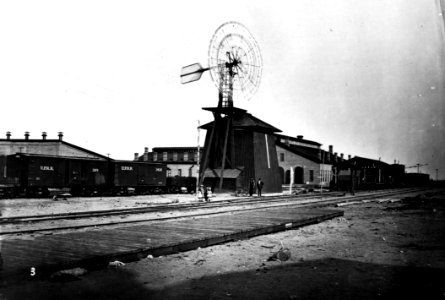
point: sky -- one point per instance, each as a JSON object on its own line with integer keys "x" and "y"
{"x": 364, "y": 76}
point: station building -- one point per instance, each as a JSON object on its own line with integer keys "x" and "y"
{"x": 303, "y": 163}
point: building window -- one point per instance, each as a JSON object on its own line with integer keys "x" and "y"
{"x": 311, "y": 175}
{"x": 175, "y": 156}
{"x": 186, "y": 156}
{"x": 190, "y": 172}
{"x": 195, "y": 157}
{"x": 155, "y": 156}
{"x": 164, "y": 156}
{"x": 169, "y": 173}
{"x": 281, "y": 156}
{"x": 179, "y": 172}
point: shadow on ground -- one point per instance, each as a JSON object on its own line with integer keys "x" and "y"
{"x": 320, "y": 279}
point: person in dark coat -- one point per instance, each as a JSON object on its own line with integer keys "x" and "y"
{"x": 259, "y": 186}
{"x": 251, "y": 186}
{"x": 206, "y": 194}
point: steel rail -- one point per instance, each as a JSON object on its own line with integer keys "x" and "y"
{"x": 152, "y": 208}
{"x": 235, "y": 208}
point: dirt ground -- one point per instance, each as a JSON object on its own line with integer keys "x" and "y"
{"x": 376, "y": 251}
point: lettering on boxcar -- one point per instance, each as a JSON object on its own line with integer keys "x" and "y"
{"x": 127, "y": 168}
{"x": 158, "y": 169}
{"x": 47, "y": 168}
{"x": 95, "y": 170}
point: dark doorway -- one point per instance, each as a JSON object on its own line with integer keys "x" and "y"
{"x": 287, "y": 177}
{"x": 299, "y": 175}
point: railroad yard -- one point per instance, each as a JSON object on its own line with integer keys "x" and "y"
{"x": 376, "y": 245}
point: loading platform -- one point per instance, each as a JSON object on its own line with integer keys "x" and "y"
{"x": 36, "y": 257}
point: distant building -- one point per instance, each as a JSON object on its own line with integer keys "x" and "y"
{"x": 44, "y": 146}
{"x": 303, "y": 163}
{"x": 181, "y": 161}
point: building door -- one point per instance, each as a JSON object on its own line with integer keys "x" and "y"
{"x": 299, "y": 175}
{"x": 287, "y": 177}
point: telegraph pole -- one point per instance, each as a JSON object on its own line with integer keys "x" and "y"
{"x": 197, "y": 166}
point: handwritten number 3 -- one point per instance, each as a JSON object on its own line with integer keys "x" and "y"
{"x": 33, "y": 271}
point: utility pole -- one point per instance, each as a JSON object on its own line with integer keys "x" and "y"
{"x": 322, "y": 174}
{"x": 197, "y": 166}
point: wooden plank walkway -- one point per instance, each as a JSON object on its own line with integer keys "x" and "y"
{"x": 96, "y": 248}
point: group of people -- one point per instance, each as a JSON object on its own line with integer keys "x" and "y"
{"x": 205, "y": 192}
{"x": 252, "y": 185}
{"x": 258, "y": 185}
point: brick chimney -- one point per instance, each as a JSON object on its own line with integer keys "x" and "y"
{"x": 331, "y": 149}
{"x": 349, "y": 156}
{"x": 300, "y": 137}
{"x": 44, "y": 135}
{"x": 146, "y": 154}
{"x": 8, "y": 135}
{"x": 26, "y": 135}
{"x": 60, "y": 136}
{"x": 136, "y": 156}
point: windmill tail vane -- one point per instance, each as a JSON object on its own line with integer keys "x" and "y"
{"x": 192, "y": 73}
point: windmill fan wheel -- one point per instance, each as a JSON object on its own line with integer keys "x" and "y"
{"x": 234, "y": 53}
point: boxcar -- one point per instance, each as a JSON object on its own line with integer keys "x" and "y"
{"x": 138, "y": 177}
{"x": 34, "y": 175}
{"x": 87, "y": 177}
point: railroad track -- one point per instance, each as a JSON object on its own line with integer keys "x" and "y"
{"x": 155, "y": 208}
{"x": 192, "y": 209}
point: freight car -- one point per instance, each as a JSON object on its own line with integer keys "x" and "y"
{"x": 130, "y": 177}
{"x": 33, "y": 175}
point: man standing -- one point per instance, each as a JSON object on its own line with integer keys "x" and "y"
{"x": 206, "y": 194}
{"x": 259, "y": 186}
{"x": 251, "y": 186}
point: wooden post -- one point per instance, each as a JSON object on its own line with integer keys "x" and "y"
{"x": 197, "y": 166}
{"x": 291, "y": 179}
{"x": 223, "y": 163}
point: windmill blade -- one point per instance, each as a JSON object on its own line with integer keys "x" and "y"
{"x": 192, "y": 73}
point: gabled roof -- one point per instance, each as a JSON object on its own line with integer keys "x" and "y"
{"x": 247, "y": 121}
{"x": 299, "y": 140}
{"x": 309, "y": 153}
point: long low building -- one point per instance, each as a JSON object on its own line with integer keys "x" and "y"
{"x": 44, "y": 146}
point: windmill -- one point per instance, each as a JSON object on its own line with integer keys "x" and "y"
{"x": 235, "y": 66}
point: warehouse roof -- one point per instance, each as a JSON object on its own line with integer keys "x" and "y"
{"x": 298, "y": 139}
{"x": 312, "y": 154}
{"x": 7, "y": 143}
